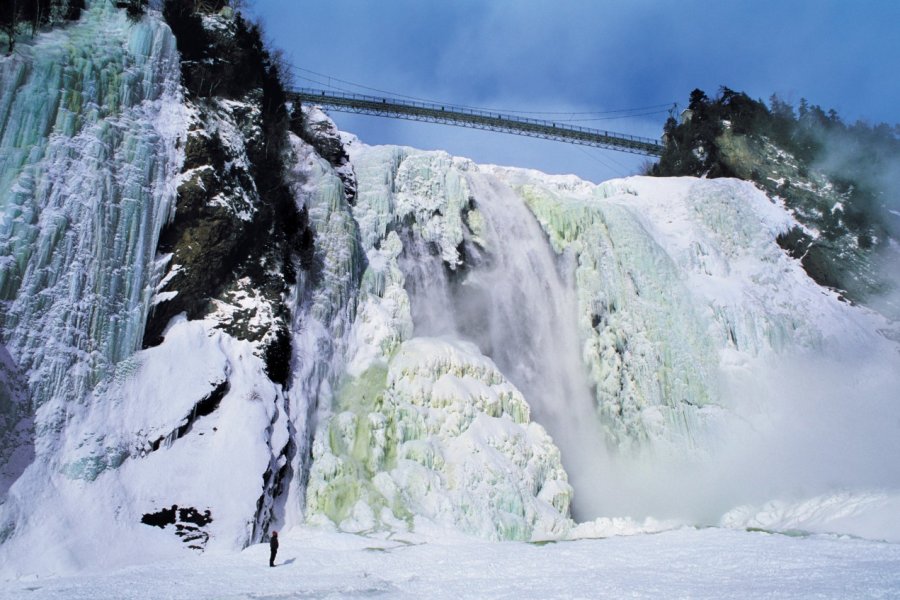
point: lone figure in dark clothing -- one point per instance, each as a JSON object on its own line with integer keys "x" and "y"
{"x": 273, "y": 546}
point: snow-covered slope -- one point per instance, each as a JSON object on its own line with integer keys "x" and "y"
{"x": 392, "y": 340}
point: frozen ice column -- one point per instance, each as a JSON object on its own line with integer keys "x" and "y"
{"x": 88, "y": 121}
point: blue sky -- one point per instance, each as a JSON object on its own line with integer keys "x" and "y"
{"x": 583, "y": 55}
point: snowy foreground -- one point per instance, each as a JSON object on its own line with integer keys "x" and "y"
{"x": 683, "y": 563}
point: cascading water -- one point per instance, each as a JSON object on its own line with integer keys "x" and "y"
{"x": 421, "y": 422}
{"x": 516, "y": 303}
{"x": 638, "y": 319}
{"x": 87, "y": 162}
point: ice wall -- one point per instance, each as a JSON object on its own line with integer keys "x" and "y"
{"x": 672, "y": 278}
{"x": 89, "y": 117}
{"x": 644, "y": 340}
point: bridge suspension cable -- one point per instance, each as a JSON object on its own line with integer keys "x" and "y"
{"x": 328, "y": 81}
{"x": 478, "y": 119}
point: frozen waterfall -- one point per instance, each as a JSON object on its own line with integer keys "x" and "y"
{"x": 474, "y": 348}
{"x": 653, "y": 327}
{"x": 87, "y": 163}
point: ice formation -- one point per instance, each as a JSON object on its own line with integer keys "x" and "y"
{"x": 324, "y": 307}
{"x": 441, "y": 435}
{"x": 638, "y": 319}
{"x": 87, "y": 158}
{"x": 424, "y": 426}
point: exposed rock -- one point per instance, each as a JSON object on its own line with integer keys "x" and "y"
{"x": 320, "y": 132}
{"x": 188, "y": 524}
{"x": 203, "y": 408}
{"x": 237, "y": 237}
{"x": 835, "y": 251}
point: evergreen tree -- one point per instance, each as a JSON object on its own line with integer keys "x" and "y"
{"x": 18, "y": 17}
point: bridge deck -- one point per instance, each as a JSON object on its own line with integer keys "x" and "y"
{"x": 452, "y": 115}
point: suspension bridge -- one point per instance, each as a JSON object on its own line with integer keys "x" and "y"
{"x": 478, "y": 119}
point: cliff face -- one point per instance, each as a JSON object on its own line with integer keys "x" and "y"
{"x": 240, "y": 249}
{"x": 237, "y": 234}
{"x": 152, "y": 288}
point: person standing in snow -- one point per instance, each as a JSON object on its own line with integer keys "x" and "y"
{"x": 273, "y": 547}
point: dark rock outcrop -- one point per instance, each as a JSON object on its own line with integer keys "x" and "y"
{"x": 189, "y": 524}
{"x": 237, "y": 237}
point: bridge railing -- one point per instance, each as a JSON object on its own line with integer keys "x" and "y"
{"x": 469, "y": 117}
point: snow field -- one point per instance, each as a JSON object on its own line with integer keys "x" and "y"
{"x": 683, "y": 563}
